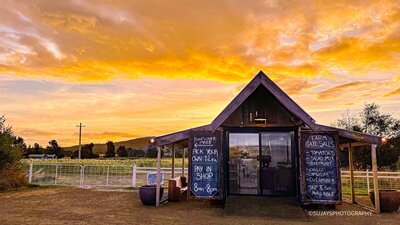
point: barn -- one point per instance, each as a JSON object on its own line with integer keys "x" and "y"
{"x": 264, "y": 144}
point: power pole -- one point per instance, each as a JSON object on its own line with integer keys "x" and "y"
{"x": 80, "y": 139}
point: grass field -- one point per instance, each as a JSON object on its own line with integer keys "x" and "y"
{"x": 140, "y": 162}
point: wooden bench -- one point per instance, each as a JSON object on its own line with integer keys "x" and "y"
{"x": 177, "y": 187}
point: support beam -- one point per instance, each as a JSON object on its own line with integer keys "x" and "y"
{"x": 351, "y": 170}
{"x": 173, "y": 161}
{"x": 158, "y": 176}
{"x": 183, "y": 162}
{"x": 375, "y": 178}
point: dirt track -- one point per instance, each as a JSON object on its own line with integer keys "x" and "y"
{"x": 80, "y": 206}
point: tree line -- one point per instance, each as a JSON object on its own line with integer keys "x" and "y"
{"x": 372, "y": 121}
{"x": 86, "y": 151}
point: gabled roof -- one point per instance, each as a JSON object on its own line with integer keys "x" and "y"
{"x": 279, "y": 94}
{"x": 283, "y": 98}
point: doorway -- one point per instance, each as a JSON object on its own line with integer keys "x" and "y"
{"x": 261, "y": 163}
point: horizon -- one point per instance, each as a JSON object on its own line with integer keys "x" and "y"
{"x": 136, "y": 69}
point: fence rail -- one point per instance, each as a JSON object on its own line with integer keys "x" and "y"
{"x": 94, "y": 175}
{"x": 132, "y": 176}
{"x": 363, "y": 180}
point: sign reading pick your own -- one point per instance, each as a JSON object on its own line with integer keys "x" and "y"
{"x": 204, "y": 164}
{"x": 321, "y": 174}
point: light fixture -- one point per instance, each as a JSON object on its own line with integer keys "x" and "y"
{"x": 259, "y": 119}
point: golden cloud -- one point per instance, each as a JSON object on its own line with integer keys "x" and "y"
{"x": 343, "y": 90}
{"x": 69, "y": 22}
{"x": 166, "y": 52}
{"x": 392, "y": 93}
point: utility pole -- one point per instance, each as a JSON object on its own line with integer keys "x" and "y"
{"x": 80, "y": 139}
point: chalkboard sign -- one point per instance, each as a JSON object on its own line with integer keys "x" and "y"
{"x": 204, "y": 164}
{"x": 320, "y": 167}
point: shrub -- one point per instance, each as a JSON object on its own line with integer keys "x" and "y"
{"x": 152, "y": 153}
{"x": 13, "y": 176}
{"x": 122, "y": 152}
{"x": 139, "y": 153}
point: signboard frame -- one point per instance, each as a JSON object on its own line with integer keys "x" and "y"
{"x": 305, "y": 199}
{"x": 218, "y": 135}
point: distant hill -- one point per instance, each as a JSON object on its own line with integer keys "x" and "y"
{"x": 137, "y": 143}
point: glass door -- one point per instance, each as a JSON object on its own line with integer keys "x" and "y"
{"x": 277, "y": 170}
{"x": 244, "y": 165}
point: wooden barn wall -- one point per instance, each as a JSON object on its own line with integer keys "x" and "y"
{"x": 262, "y": 102}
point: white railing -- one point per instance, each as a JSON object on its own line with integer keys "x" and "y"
{"x": 363, "y": 180}
{"x": 94, "y": 175}
{"x": 133, "y": 176}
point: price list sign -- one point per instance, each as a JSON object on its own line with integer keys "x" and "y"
{"x": 204, "y": 164}
{"x": 320, "y": 167}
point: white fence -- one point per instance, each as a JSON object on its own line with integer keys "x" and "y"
{"x": 94, "y": 175}
{"x": 132, "y": 176}
{"x": 363, "y": 180}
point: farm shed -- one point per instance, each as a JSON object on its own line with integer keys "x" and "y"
{"x": 263, "y": 143}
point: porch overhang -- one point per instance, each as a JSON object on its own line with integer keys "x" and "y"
{"x": 179, "y": 136}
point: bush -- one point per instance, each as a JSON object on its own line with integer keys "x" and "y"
{"x": 86, "y": 152}
{"x": 139, "y": 153}
{"x": 152, "y": 153}
{"x": 13, "y": 176}
{"x": 110, "y": 149}
{"x": 122, "y": 152}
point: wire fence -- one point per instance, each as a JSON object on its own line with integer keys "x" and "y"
{"x": 132, "y": 176}
{"x": 363, "y": 181}
{"x": 109, "y": 176}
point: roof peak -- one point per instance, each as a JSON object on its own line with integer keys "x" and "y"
{"x": 262, "y": 79}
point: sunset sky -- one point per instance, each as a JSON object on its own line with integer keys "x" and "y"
{"x": 128, "y": 69}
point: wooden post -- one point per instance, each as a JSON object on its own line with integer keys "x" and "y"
{"x": 30, "y": 173}
{"x": 173, "y": 161}
{"x": 56, "y": 176}
{"x": 368, "y": 188}
{"x": 375, "y": 178}
{"x": 351, "y": 170}
{"x": 158, "y": 176}
{"x": 183, "y": 162}
{"x": 134, "y": 176}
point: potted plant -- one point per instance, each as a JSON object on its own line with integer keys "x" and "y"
{"x": 147, "y": 194}
{"x": 389, "y": 200}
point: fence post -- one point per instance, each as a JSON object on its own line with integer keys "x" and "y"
{"x": 55, "y": 178}
{"x": 134, "y": 176}
{"x": 368, "y": 188}
{"x": 108, "y": 174}
{"x": 82, "y": 175}
{"x": 30, "y": 173}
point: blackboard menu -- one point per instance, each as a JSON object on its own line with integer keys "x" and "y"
{"x": 321, "y": 169}
{"x": 204, "y": 164}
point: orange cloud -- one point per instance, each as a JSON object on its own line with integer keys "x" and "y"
{"x": 120, "y": 63}
{"x": 392, "y": 93}
{"x": 343, "y": 90}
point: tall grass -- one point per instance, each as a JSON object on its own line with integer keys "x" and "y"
{"x": 13, "y": 176}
